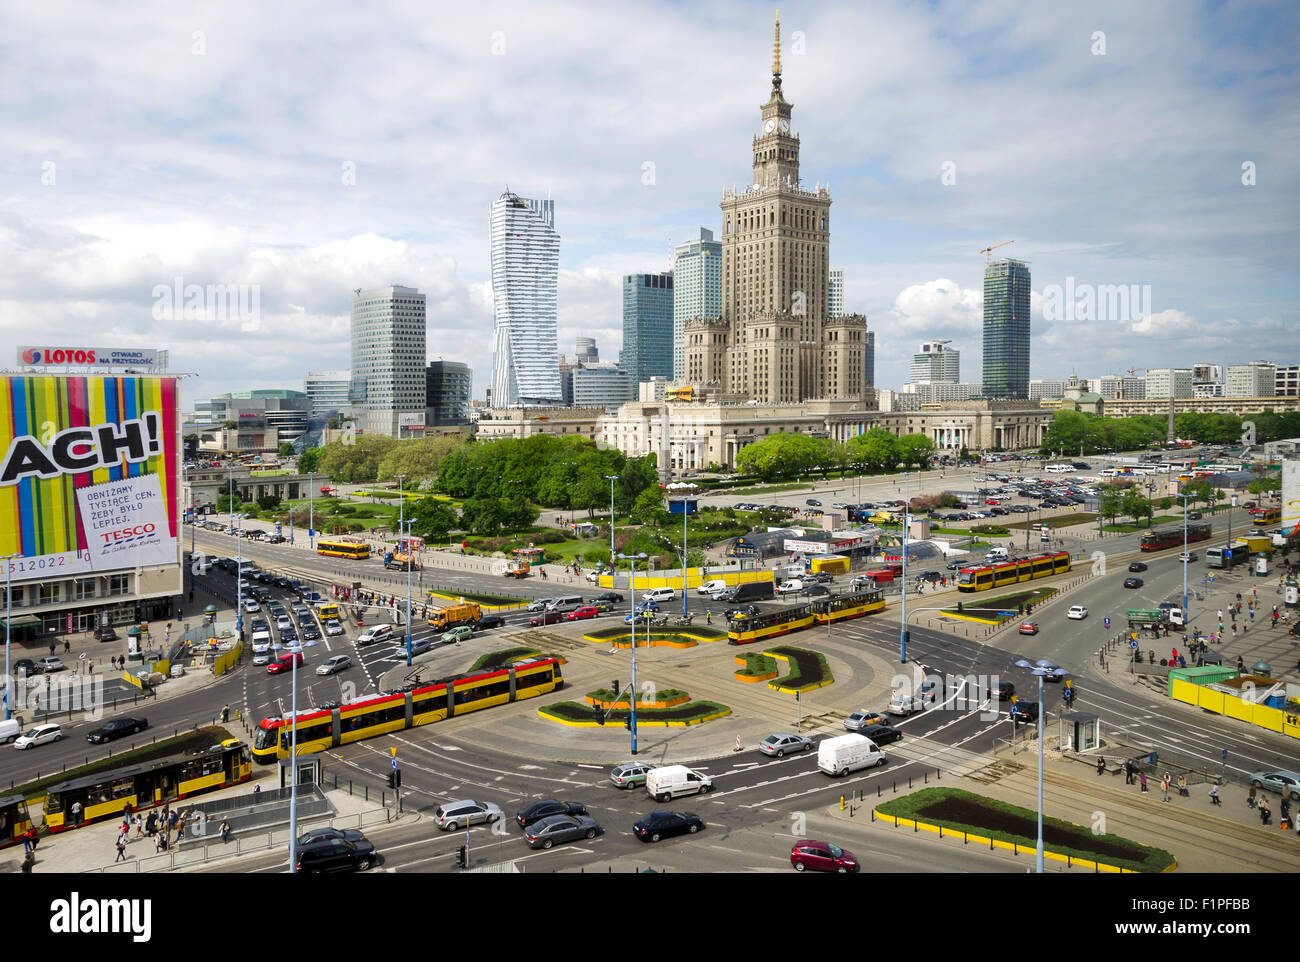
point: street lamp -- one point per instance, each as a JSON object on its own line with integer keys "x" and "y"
{"x": 408, "y": 592}
{"x": 9, "y": 614}
{"x": 1042, "y": 668}
{"x": 632, "y": 591}
{"x": 611, "y": 478}
{"x": 311, "y": 516}
{"x": 902, "y": 627}
{"x": 1186, "y": 558}
{"x": 683, "y": 500}
{"x": 294, "y": 652}
{"x": 230, "y": 469}
{"x": 239, "y": 579}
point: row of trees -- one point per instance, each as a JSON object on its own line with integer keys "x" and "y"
{"x": 795, "y": 455}
{"x": 374, "y": 458}
{"x": 1072, "y": 430}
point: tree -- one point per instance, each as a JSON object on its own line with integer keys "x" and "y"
{"x": 286, "y": 450}
{"x": 481, "y": 516}
{"x": 915, "y": 449}
{"x": 418, "y": 458}
{"x": 649, "y": 507}
{"x": 1135, "y": 504}
{"x": 309, "y": 461}
{"x": 877, "y": 448}
{"x": 268, "y": 502}
{"x": 432, "y": 518}
{"x": 1110, "y": 500}
{"x": 357, "y": 461}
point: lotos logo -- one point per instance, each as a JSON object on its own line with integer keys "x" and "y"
{"x": 59, "y": 355}
{"x": 31, "y": 356}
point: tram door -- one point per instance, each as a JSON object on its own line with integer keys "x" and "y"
{"x": 146, "y": 784}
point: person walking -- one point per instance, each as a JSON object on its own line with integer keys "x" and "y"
{"x": 121, "y": 850}
{"x": 1142, "y": 780}
{"x": 1250, "y": 798}
{"x": 76, "y": 813}
{"x": 1285, "y": 808}
{"x": 1264, "y": 812}
{"x": 225, "y": 830}
{"x": 1101, "y": 765}
{"x": 1164, "y": 788}
{"x": 1214, "y": 794}
{"x": 139, "y": 825}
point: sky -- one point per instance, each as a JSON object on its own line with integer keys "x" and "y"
{"x": 300, "y": 151}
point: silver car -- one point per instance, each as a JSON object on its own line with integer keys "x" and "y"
{"x": 1284, "y": 783}
{"x": 334, "y": 664}
{"x": 630, "y": 775}
{"x": 781, "y": 745}
{"x": 450, "y": 816}
{"x": 560, "y": 828}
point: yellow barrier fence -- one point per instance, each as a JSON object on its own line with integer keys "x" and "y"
{"x": 1264, "y": 716}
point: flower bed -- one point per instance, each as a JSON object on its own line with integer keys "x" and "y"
{"x": 808, "y": 670}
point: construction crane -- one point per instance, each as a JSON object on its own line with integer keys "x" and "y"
{"x": 988, "y": 258}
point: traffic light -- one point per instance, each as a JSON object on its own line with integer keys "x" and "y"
{"x": 462, "y": 857}
{"x": 395, "y": 778}
{"x": 613, "y": 686}
{"x": 627, "y": 722}
{"x": 597, "y": 715}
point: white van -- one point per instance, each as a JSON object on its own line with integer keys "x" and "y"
{"x": 711, "y": 587}
{"x": 261, "y": 647}
{"x": 1059, "y": 468}
{"x": 668, "y": 782}
{"x": 996, "y": 554}
{"x": 848, "y": 753}
{"x": 564, "y": 603}
{"x": 792, "y": 571}
{"x": 10, "y": 729}
{"x": 659, "y": 594}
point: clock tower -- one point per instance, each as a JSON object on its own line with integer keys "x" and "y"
{"x": 776, "y": 150}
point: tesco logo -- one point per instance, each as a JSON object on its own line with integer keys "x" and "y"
{"x": 123, "y": 534}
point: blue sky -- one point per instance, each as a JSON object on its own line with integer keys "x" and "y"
{"x": 212, "y": 142}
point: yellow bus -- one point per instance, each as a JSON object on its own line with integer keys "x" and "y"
{"x": 327, "y": 610}
{"x": 343, "y": 548}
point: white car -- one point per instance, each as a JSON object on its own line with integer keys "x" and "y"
{"x": 332, "y": 627}
{"x": 712, "y": 586}
{"x": 334, "y": 663}
{"x": 39, "y": 735}
{"x": 376, "y": 634}
{"x": 789, "y": 587}
{"x": 251, "y": 606}
{"x": 1077, "y": 613}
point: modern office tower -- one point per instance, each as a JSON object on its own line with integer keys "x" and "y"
{"x": 263, "y": 420}
{"x": 772, "y": 343}
{"x": 602, "y": 385}
{"x": 328, "y": 391}
{"x": 584, "y": 350}
{"x": 388, "y": 357}
{"x": 1169, "y": 382}
{"x": 1006, "y": 329}
{"x": 697, "y": 289}
{"x": 525, "y": 279}
{"x": 1256, "y": 379}
{"x": 448, "y": 387}
{"x": 835, "y": 296}
{"x": 936, "y": 361}
{"x": 647, "y": 326}
{"x": 1039, "y": 389}
{"x": 870, "y": 357}
{"x": 935, "y": 392}
{"x": 1286, "y": 383}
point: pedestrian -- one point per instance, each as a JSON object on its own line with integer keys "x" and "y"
{"x": 708, "y": 617}
{"x": 1142, "y": 780}
{"x": 1214, "y": 794}
{"x": 121, "y": 850}
{"x": 139, "y": 825}
{"x": 1233, "y": 613}
{"x": 1285, "y": 821}
{"x": 225, "y": 830}
{"x": 1128, "y": 771}
{"x": 257, "y": 790}
{"x": 1220, "y": 617}
{"x": 1250, "y": 798}
{"x": 1252, "y": 616}
{"x": 76, "y": 813}
{"x": 160, "y": 843}
{"x": 1264, "y": 813}
{"x": 1234, "y": 629}
{"x": 1164, "y": 788}
{"x": 151, "y": 824}
{"x": 67, "y": 646}
{"x": 1101, "y": 765}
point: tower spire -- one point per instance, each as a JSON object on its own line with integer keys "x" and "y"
{"x": 776, "y": 52}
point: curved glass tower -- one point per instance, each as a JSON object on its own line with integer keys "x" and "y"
{"x": 525, "y": 276}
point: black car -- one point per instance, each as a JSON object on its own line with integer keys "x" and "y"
{"x": 930, "y": 576}
{"x": 1133, "y": 582}
{"x": 813, "y": 503}
{"x": 1024, "y": 711}
{"x": 1137, "y": 566}
{"x": 820, "y": 577}
{"x": 116, "y": 729}
{"x": 105, "y": 633}
{"x": 1005, "y": 690}
{"x": 259, "y": 624}
{"x": 612, "y": 596}
{"x": 283, "y": 583}
{"x": 276, "y": 539}
{"x": 288, "y": 636}
{"x": 954, "y": 565}
{"x": 816, "y": 591}
{"x": 549, "y": 806}
{"x": 659, "y": 825}
{"x": 25, "y": 666}
{"x": 336, "y": 855}
{"x": 325, "y": 834}
{"x": 310, "y": 633}
{"x": 882, "y": 734}
{"x": 488, "y": 622}
{"x": 1194, "y": 516}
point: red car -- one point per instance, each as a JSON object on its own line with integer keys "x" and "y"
{"x": 587, "y": 611}
{"x": 992, "y": 500}
{"x": 822, "y": 857}
{"x": 545, "y": 618}
{"x": 1029, "y": 628}
{"x": 284, "y": 663}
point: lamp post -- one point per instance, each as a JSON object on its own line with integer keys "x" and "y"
{"x": 1232, "y": 503}
{"x": 408, "y": 591}
{"x": 9, "y": 614}
{"x": 683, "y": 501}
{"x": 239, "y": 579}
{"x": 1186, "y": 619}
{"x": 611, "y": 478}
{"x": 311, "y": 515}
{"x": 1041, "y": 668}
{"x": 632, "y": 591}
{"x": 902, "y": 626}
{"x": 294, "y": 653}
{"x": 230, "y": 469}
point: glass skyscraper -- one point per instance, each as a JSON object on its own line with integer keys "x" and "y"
{"x": 388, "y": 337}
{"x": 1006, "y": 329}
{"x": 525, "y": 278}
{"x": 447, "y": 392}
{"x": 647, "y": 326}
{"x": 697, "y": 290}
{"x": 870, "y": 354}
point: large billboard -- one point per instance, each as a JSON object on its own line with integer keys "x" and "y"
{"x": 89, "y": 477}
{"x": 102, "y": 357}
{"x": 1291, "y": 497}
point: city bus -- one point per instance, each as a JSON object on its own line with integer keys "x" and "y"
{"x": 319, "y": 730}
{"x": 1226, "y": 556}
{"x": 1173, "y": 536}
{"x": 343, "y": 548}
{"x": 105, "y": 794}
{"x": 983, "y": 577}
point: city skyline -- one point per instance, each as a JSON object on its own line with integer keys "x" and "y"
{"x": 90, "y": 239}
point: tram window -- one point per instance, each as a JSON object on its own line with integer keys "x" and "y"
{"x": 123, "y": 787}
{"x": 533, "y": 680}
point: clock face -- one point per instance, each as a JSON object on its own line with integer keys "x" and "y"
{"x": 785, "y": 126}
{"x": 769, "y": 126}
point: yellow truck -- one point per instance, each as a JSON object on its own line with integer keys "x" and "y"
{"x": 518, "y": 569}
{"x": 1258, "y": 542}
{"x": 401, "y": 562}
{"x": 453, "y": 616}
{"x": 835, "y": 564}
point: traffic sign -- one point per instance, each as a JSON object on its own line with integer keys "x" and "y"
{"x": 1106, "y": 622}
{"x": 394, "y": 764}
{"x": 1133, "y": 644}
{"x": 1227, "y": 552}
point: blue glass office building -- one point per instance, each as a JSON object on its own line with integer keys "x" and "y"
{"x": 1006, "y": 329}
{"x": 647, "y": 326}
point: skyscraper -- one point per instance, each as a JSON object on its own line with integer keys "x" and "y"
{"x": 327, "y": 391}
{"x": 388, "y": 337}
{"x": 525, "y": 278}
{"x": 936, "y": 361}
{"x": 835, "y": 297}
{"x": 870, "y": 358}
{"x": 447, "y": 392}
{"x": 1006, "y": 329}
{"x": 697, "y": 289}
{"x": 647, "y": 326}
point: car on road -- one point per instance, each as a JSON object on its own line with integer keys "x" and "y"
{"x": 450, "y": 816}
{"x": 288, "y": 636}
{"x": 612, "y": 596}
{"x": 1004, "y": 690}
{"x": 930, "y": 576}
{"x": 325, "y": 834}
{"x": 1077, "y": 613}
{"x": 1194, "y": 516}
{"x": 374, "y": 635}
{"x": 25, "y": 666}
{"x": 1283, "y": 782}
{"x": 285, "y": 663}
{"x": 1133, "y": 582}
{"x": 51, "y": 663}
{"x": 418, "y": 647}
{"x": 40, "y": 735}
{"x": 259, "y": 624}
{"x": 284, "y": 623}
{"x": 333, "y": 628}
{"x": 105, "y": 633}
{"x": 629, "y": 774}
{"x": 790, "y": 587}
{"x": 813, "y": 503}
{"x": 883, "y": 734}
{"x": 664, "y": 824}
{"x": 583, "y": 613}
{"x": 538, "y": 605}
{"x": 604, "y": 607}
{"x": 817, "y": 591}
{"x": 954, "y": 565}
{"x": 334, "y": 663}
{"x": 116, "y": 729}
{"x": 549, "y": 806}
{"x": 1023, "y": 711}
{"x": 336, "y": 855}
{"x": 1188, "y": 556}
{"x": 310, "y": 632}
{"x": 488, "y": 622}
{"x": 545, "y": 618}
{"x": 822, "y": 857}
{"x": 820, "y": 578}
{"x": 276, "y": 539}
{"x": 1137, "y": 566}
{"x": 783, "y": 744}
{"x": 1028, "y": 628}
{"x": 250, "y": 605}
{"x": 744, "y": 611}
{"x": 459, "y": 633}
{"x": 560, "y": 828}
{"x": 864, "y": 719}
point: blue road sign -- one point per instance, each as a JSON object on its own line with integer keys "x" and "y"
{"x": 1106, "y": 621}
{"x": 1132, "y": 644}
{"x": 394, "y": 764}
{"x": 1227, "y": 552}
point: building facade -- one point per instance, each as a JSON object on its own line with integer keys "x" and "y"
{"x": 251, "y": 422}
{"x": 1167, "y": 382}
{"x": 647, "y": 326}
{"x": 941, "y": 392}
{"x": 448, "y": 387}
{"x": 869, "y": 372}
{"x": 525, "y": 282}
{"x": 1006, "y": 329}
{"x": 584, "y": 350}
{"x": 602, "y": 385}
{"x": 328, "y": 392}
{"x": 388, "y": 357}
{"x": 1286, "y": 382}
{"x": 1256, "y": 379}
{"x": 936, "y": 361}
{"x": 835, "y": 296}
{"x": 1111, "y": 386}
{"x": 697, "y": 290}
{"x": 1039, "y": 389}
{"x": 775, "y": 341}
{"x": 1212, "y": 405}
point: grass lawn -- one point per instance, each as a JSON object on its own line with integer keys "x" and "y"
{"x": 767, "y": 488}
{"x": 695, "y": 711}
{"x": 998, "y": 607}
{"x": 1142, "y": 525}
{"x": 758, "y": 664}
{"x": 967, "y": 812}
{"x": 497, "y": 659}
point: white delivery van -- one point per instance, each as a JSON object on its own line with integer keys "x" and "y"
{"x": 659, "y": 594}
{"x": 792, "y": 571}
{"x": 848, "y": 753}
{"x": 670, "y": 781}
{"x": 261, "y": 647}
{"x": 996, "y": 554}
{"x": 10, "y": 729}
{"x": 711, "y": 587}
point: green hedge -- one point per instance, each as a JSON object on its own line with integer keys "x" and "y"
{"x": 757, "y": 663}
{"x": 666, "y": 694}
{"x": 808, "y": 668}
{"x": 497, "y": 659}
{"x": 574, "y": 711}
